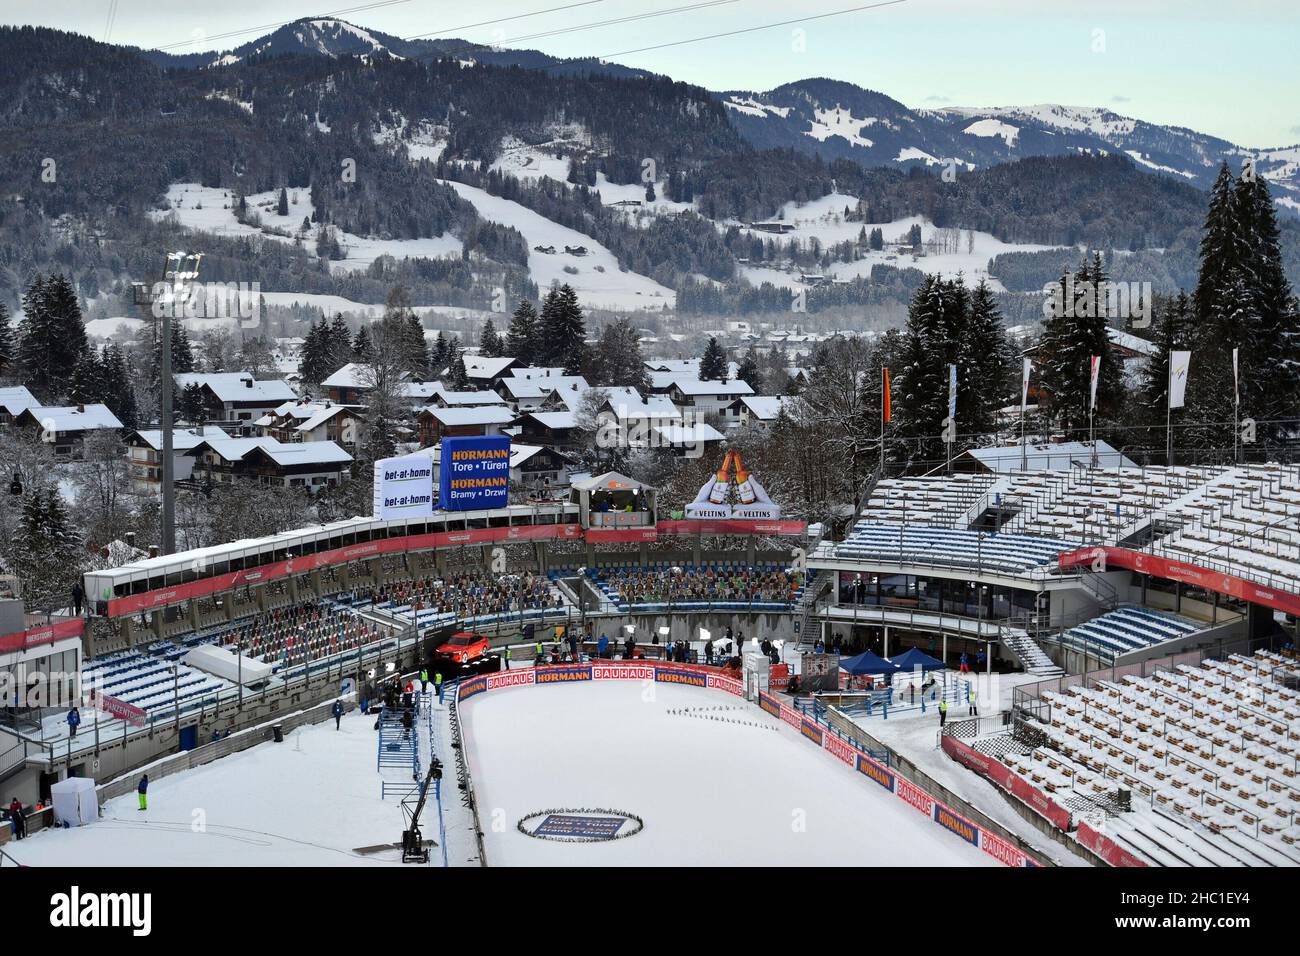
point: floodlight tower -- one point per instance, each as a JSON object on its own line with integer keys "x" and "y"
{"x": 163, "y": 299}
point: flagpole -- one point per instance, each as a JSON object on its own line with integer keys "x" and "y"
{"x": 1169, "y": 428}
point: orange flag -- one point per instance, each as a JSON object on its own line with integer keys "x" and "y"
{"x": 888, "y": 410}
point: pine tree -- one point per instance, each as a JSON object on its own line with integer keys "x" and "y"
{"x": 52, "y": 336}
{"x": 282, "y": 206}
{"x": 362, "y": 349}
{"x": 338, "y": 344}
{"x": 8, "y": 353}
{"x": 617, "y": 361}
{"x": 990, "y": 361}
{"x": 563, "y": 331}
{"x": 1071, "y": 336}
{"x": 749, "y": 371}
{"x": 713, "y": 363}
{"x": 87, "y": 379}
{"x": 489, "y": 343}
{"x": 439, "y": 357}
{"x": 920, "y": 387}
{"x": 119, "y": 393}
{"x": 522, "y": 336}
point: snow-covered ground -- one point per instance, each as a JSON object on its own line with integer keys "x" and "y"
{"x": 742, "y": 789}
{"x": 598, "y": 279}
{"x": 915, "y": 735}
{"x": 823, "y": 219}
{"x": 211, "y": 209}
{"x": 313, "y": 800}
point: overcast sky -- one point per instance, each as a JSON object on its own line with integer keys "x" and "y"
{"x": 1228, "y": 68}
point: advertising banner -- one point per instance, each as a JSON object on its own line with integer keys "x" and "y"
{"x": 876, "y": 771}
{"x": 562, "y": 674}
{"x": 474, "y": 473}
{"x": 1010, "y": 781}
{"x": 1106, "y": 848}
{"x": 403, "y": 487}
{"x": 516, "y": 678}
{"x": 951, "y": 820}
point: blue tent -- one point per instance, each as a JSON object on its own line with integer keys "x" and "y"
{"x": 915, "y": 658}
{"x": 868, "y": 663}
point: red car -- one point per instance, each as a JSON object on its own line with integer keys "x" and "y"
{"x": 463, "y": 647}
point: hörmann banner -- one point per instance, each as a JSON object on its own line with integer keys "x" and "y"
{"x": 474, "y": 473}
{"x": 403, "y": 487}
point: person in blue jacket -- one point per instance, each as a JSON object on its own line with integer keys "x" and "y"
{"x": 602, "y": 646}
{"x": 337, "y": 713}
{"x": 142, "y": 790}
{"x": 74, "y": 720}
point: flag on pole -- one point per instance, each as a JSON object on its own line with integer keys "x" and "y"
{"x": 952, "y": 391}
{"x": 1236, "y": 380}
{"x": 1096, "y": 373}
{"x": 1024, "y": 386}
{"x": 888, "y": 409}
{"x": 1179, "y": 362}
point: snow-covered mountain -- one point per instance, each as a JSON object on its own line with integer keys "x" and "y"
{"x": 840, "y": 120}
{"x": 335, "y": 38}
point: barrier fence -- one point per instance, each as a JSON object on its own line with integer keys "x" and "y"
{"x": 822, "y": 735}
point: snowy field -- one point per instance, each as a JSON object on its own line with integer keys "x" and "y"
{"x": 312, "y": 800}
{"x": 710, "y": 791}
{"x": 211, "y": 209}
{"x": 823, "y": 220}
{"x": 598, "y": 279}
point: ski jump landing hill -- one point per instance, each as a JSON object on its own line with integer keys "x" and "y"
{"x": 834, "y": 744}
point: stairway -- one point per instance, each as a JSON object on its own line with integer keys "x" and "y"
{"x": 1032, "y": 657}
{"x": 396, "y": 750}
{"x": 821, "y": 582}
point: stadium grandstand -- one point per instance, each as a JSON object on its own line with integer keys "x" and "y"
{"x": 1144, "y": 615}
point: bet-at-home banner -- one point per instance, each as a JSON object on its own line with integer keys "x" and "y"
{"x": 403, "y": 487}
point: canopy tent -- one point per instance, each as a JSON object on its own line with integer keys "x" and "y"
{"x": 915, "y": 658}
{"x": 612, "y": 492}
{"x": 868, "y": 663}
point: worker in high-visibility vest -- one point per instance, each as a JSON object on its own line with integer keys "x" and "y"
{"x": 437, "y": 683}
{"x": 943, "y": 710}
{"x": 424, "y": 681}
{"x": 974, "y": 711}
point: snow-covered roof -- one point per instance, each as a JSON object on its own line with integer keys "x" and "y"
{"x": 484, "y": 397}
{"x": 305, "y": 453}
{"x": 694, "y": 434}
{"x": 349, "y": 376}
{"x": 764, "y": 407}
{"x": 16, "y": 398}
{"x": 183, "y": 439}
{"x": 530, "y": 372}
{"x": 519, "y": 453}
{"x": 73, "y": 418}
{"x": 472, "y": 415}
{"x": 627, "y": 403}
{"x": 1060, "y": 456}
{"x": 1131, "y": 342}
{"x": 556, "y": 420}
{"x": 480, "y": 366}
{"x": 238, "y": 386}
{"x": 695, "y": 386}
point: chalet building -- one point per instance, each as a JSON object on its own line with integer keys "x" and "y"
{"x": 296, "y": 422}
{"x": 758, "y": 410}
{"x": 65, "y": 427}
{"x": 446, "y": 398}
{"x": 309, "y": 465}
{"x": 706, "y": 397}
{"x": 235, "y": 398}
{"x": 694, "y": 440}
{"x": 549, "y": 429}
{"x": 434, "y": 424}
{"x": 13, "y": 402}
{"x": 144, "y": 455}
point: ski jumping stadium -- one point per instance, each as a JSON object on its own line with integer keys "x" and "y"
{"x": 1114, "y": 647}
